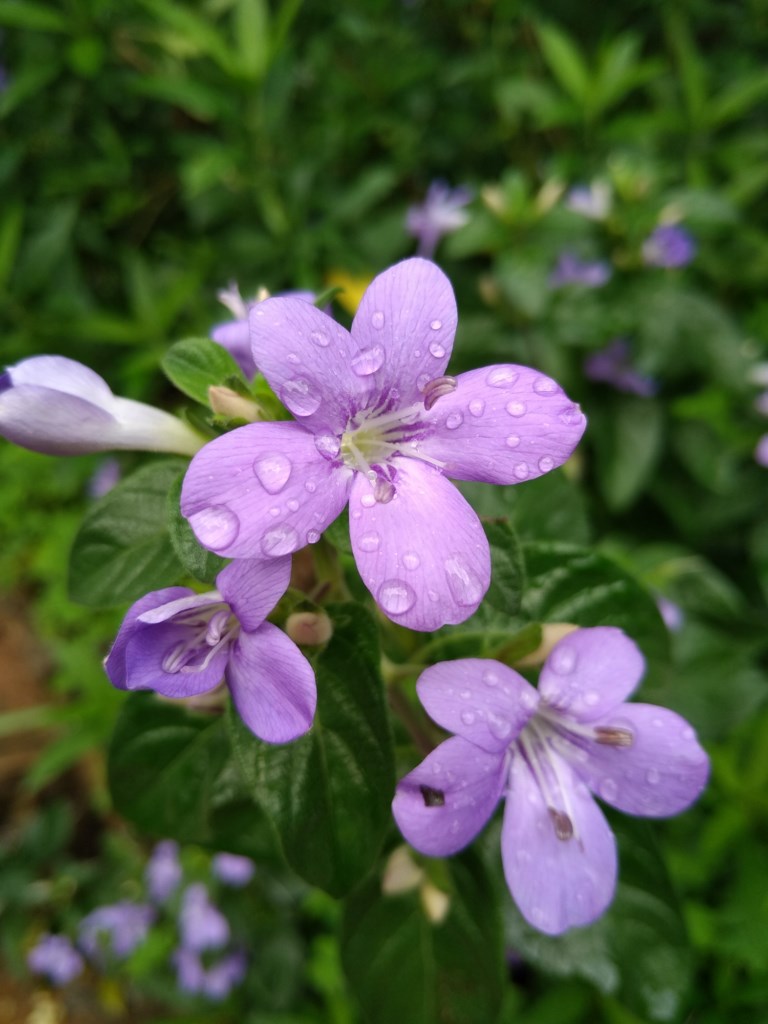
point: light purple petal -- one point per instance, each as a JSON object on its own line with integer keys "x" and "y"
{"x": 503, "y": 424}
{"x": 164, "y": 612}
{"x": 557, "y": 883}
{"x": 235, "y": 337}
{"x": 63, "y": 375}
{"x": 272, "y": 685}
{"x": 233, "y": 869}
{"x": 444, "y": 802}
{"x": 252, "y": 587}
{"x": 163, "y": 871}
{"x": 423, "y": 555}
{"x": 590, "y": 672}
{"x": 202, "y": 925}
{"x": 56, "y": 958}
{"x": 481, "y": 700}
{"x": 661, "y": 773}
{"x": 263, "y": 490}
{"x": 408, "y": 317}
{"x": 149, "y": 647}
{"x": 48, "y": 421}
{"x": 114, "y": 664}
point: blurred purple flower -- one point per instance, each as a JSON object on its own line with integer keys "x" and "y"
{"x": 592, "y": 201}
{"x": 569, "y": 270}
{"x": 55, "y": 958}
{"x": 115, "y": 929}
{"x": 106, "y": 476}
{"x": 612, "y": 365}
{"x": 232, "y": 869}
{"x": 671, "y": 613}
{"x": 163, "y": 871}
{"x": 216, "y": 981}
{"x": 669, "y": 245}
{"x": 761, "y": 403}
{"x": 544, "y": 752}
{"x": 761, "y": 451}
{"x": 441, "y": 213}
{"x": 202, "y": 925}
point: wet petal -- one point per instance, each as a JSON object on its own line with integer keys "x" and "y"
{"x": 590, "y": 672}
{"x": 407, "y": 317}
{"x": 481, "y": 700}
{"x": 423, "y": 555}
{"x": 252, "y": 587}
{"x": 444, "y": 802}
{"x": 235, "y": 337}
{"x": 661, "y": 773}
{"x": 157, "y": 600}
{"x": 272, "y": 685}
{"x": 557, "y": 883}
{"x": 503, "y": 424}
{"x": 263, "y": 490}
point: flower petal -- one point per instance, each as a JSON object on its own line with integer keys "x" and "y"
{"x": 252, "y": 588}
{"x": 479, "y": 699}
{"x": 590, "y": 672}
{"x": 446, "y": 800}
{"x": 272, "y": 685}
{"x": 63, "y": 375}
{"x": 263, "y": 490}
{"x": 146, "y": 651}
{"x": 114, "y": 663}
{"x": 163, "y": 612}
{"x": 48, "y": 421}
{"x": 661, "y": 773}
{"x": 557, "y": 883}
{"x": 423, "y": 555}
{"x": 503, "y": 424}
{"x": 235, "y": 337}
{"x": 407, "y": 320}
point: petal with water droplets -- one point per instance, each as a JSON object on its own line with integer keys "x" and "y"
{"x": 252, "y": 587}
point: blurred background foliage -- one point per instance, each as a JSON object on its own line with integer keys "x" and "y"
{"x": 151, "y": 151}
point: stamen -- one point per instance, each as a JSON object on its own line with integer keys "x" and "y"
{"x": 613, "y": 736}
{"x": 177, "y": 657}
{"x": 383, "y": 490}
{"x": 563, "y": 824}
{"x": 533, "y": 741}
{"x": 216, "y": 627}
{"x": 437, "y": 388}
{"x": 432, "y": 797}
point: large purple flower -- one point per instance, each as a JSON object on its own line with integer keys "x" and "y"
{"x": 380, "y": 426}
{"x": 546, "y": 752}
{"x": 180, "y": 644}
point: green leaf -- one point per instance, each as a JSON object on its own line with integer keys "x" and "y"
{"x": 121, "y": 551}
{"x": 508, "y": 568}
{"x": 22, "y": 14}
{"x": 252, "y": 31}
{"x": 328, "y": 794}
{"x": 203, "y": 565}
{"x": 629, "y": 444}
{"x": 196, "y": 364}
{"x": 565, "y": 62}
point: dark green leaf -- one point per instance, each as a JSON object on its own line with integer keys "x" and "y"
{"x": 629, "y": 442}
{"x": 196, "y": 364}
{"x": 202, "y": 564}
{"x": 508, "y": 568}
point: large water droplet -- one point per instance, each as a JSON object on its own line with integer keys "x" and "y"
{"x": 368, "y": 500}
{"x": 368, "y": 361}
{"x": 301, "y": 396}
{"x": 215, "y": 527}
{"x": 436, "y": 325}
{"x": 546, "y": 464}
{"x": 436, "y": 349}
{"x": 513, "y": 441}
{"x": 464, "y": 583}
{"x": 562, "y": 660}
{"x": 313, "y": 536}
{"x": 378, "y": 319}
{"x": 280, "y": 540}
{"x": 454, "y": 420}
{"x": 522, "y": 471}
{"x": 320, "y": 338}
{"x": 292, "y": 505}
{"x": 274, "y": 511}
{"x": 516, "y": 408}
{"x": 502, "y": 377}
{"x": 370, "y": 541}
{"x": 272, "y": 471}
{"x": 328, "y": 445}
{"x": 608, "y": 789}
{"x": 545, "y": 386}
{"x": 411, "y": 560}
{"x": 571, "y": 415}
{"x": 477, "y": 407}
{"x": 396, "y": 597}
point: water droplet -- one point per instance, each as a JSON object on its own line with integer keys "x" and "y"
{"x": 490, "y": 678}
{"x": 411, "y": 560}
{"x": 546, "y": 463}
{"x": 545, "y": 386}
{"x": 562, "y": 660}
{"x": 608, "y": 789}
{"x": 468, "y": 717}
{"x": 500, "y": 727}
{"x": 320, "y": 338}
{"x": 272, "y": 471}
{"x": 464, "y": 583}
{"x": 356, "y": 513}
{"x": 275, "y": 511}
{"x": 688, "y": 734}
{"x": 502, "y": 377}
{"x": 280, "y": 540}
{"x": 529, "y": 699}
{"x": 516, "y": 408}
{"x": 328, "y": 445}
{"x": 653, "y": 776}
{"x": 216, "y": 527}
{"x": 396, "y": 597}
{"x": 454, "y": 420}
{"x": 436, "y": 349}
{"x": 310, "y": 485}
{"x": 466, "y": 694}
{"x": 477, "y": 407}
{"x": 571, "y": 415}
{"x": 370, "y": 541}
{"x": 313, "y": 536}
{"x": 433, "y": 595}
{"x": 368, "y": 361}
{"x": 293, "y": 358}
{"x": 436, "y": 325}
{"x": 521, "y": 470}
{"x": 378, "y": 319}
{"x": 422, "y": 380}
{"x": 513, "y": 441}
{"x": 292, "y": 505}
{"x": 591, "y": 697}
{"x": 300, "y": 396}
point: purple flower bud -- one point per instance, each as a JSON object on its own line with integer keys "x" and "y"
{"x": 441, "y": 213}
{"x": 570, "y": 270}
{"x": 669, "y": 245}
{"x": 55, "y": 958}
{"x": 233, "y": 870}
{"x": 612, "y": 365}
{"x": 671, "y": 613}
{"x": 202, "y": 925}
{"x": 163, "y": 871}
{"x": 115, "y": 929}
{"x": 105, "y": 478}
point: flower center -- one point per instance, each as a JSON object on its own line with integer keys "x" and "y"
{"x": 208, "y": 631}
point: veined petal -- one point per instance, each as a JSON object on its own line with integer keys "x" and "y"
{"x": 444, "y": 802}
{"x": 482, "y": 700}
{"x": 590, "y": 672}
{"x": 661, "y": 773}
{"x": 63, "y": 375}
{"x": 557, "y": 883}
{"x": 150, "y": 646}
{"x": 163, "y": 612}
{"x": 252, "y": 588}
{"x": 503, "y": 424}
{"x": 272, "y": 685}
{"x": 114, "y": 664}
{"x": 423, "y": 555}
{"x": 263, "y": 490}
{"x": 54, "y": 423}
{"x": 407, "y": 317}
{"x": 142, "y": 427}
{"x": 235, "y": 337}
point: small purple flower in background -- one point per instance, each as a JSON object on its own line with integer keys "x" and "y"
{"x": 570, "y": 270}
{"x": 441, "y": 213}
{"x": 669, "y": 245}
{"x": 232, "y": 869}
{"x": 671, "y": 613}
{"x": 546, "y": 752}
{"x": 380, "y": 426}
{"x": 592, "y": 201}
{"x": 181, "y": 644}
{"x": 202, "y": 925}
{"x": 214, "y": 982}
{"x": 55, "y": 958}
{"x": 761, "y": 403}
{"x": 56, "y": 406}
{"x": 106, "y": 476}
{"x": 116, "y": 929}
{"x": 163, "y": 871}
{"x": 761, "y": 451}
{"x": 613, "y": 365}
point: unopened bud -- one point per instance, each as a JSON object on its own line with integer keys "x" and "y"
{"x": 551, "y": 633}
{"x": 549, "y": 194}
{"x": 310, "y": 629}
{"x": 226, "y": 402}
{"x": 435, "y": 902}
{"x": 401, "y": 873}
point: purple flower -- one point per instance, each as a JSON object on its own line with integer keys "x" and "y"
{"x": 216, "y": 981}
{"x": 671, "y": 613}
{"x": 202, "y": 925}
{"x": 54, "y": 405}
{"x": 761, "y": 403}
{"x": 761, "y": 451}
{"x": 669, "y": 245}
{"x": 106, "y": 476}
{"x": 163, "y": 871}
{"x": 592, "y": 201}
{"x": 569, "y": 269}
{"x": 55, "y": 958}
{"x": 181, "y": 644}
{"x": 233, "y": 870}
{"x": 441, "y": 213}
{"x": 613, "y": 365}
{"x": 115, "y": 929}
{"x": 380, "y": 426}
{"x": 544, "y": 752}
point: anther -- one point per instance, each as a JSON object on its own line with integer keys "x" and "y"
{"x": 432, "y": 797}
{"x": 383, "y": 490}
{"x": 562, "y": 823}
{"x": 613, "y": 736}
{"x": 437, "y": 388}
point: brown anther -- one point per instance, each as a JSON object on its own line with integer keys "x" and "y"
{"x": 613, "y": 736}
{"x": 562, "y": 823}
{"x": 437, "y": 388}
{"x": 432, "y": 797}
{"x": 383, "y": 490}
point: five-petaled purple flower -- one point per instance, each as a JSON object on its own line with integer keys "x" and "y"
{"x": 546, "y": 752}
{"x": 163, "y": 871}
{"x": 55, "y": 958}
{"x": 180, "y": 644}
{"x": 381, "y": 426}
{"x": 669, "y": 245}
{"x": 232, "y": 869}
{"x": 115, "y": 929}
{"x": 215, "y": 981}
{"x": 570, "y": 269}
{"x": 613, "y": 365}
{"x": 441, "y": 213}
{"x": 57, "y": 406}
{"x": 202, "y": 925}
